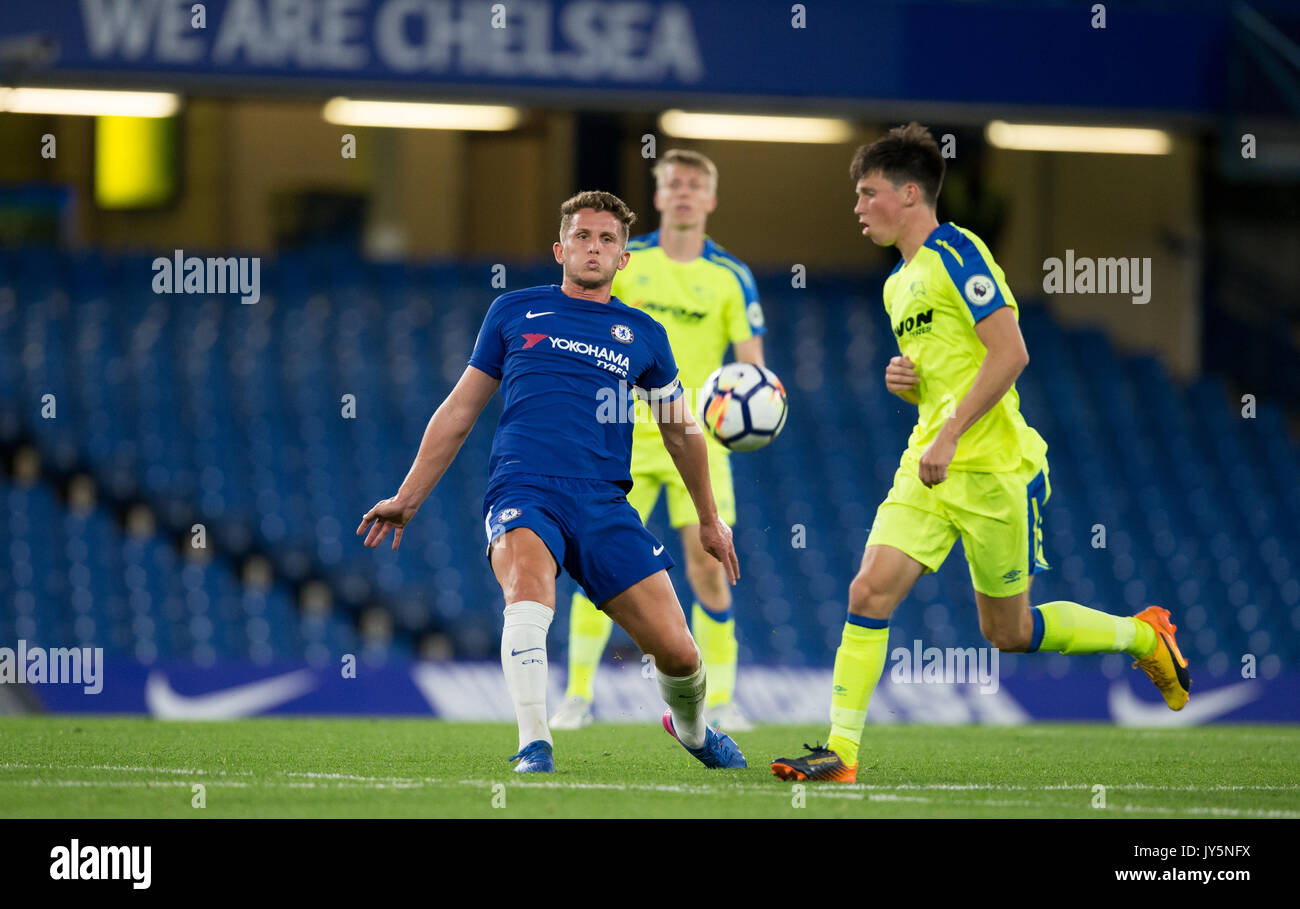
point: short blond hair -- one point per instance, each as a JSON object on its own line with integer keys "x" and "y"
{"x": 686, "y": 158}
{"x": 597, "y": 200}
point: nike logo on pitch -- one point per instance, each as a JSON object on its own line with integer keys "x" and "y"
{"x": 533, "y": 315}
{"x": 658, "y": 549}
{"x": 517, "y": 652}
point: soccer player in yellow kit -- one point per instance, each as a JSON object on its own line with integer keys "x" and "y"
{"x": 706, "y": 300}
{"x": 973, "y": 468}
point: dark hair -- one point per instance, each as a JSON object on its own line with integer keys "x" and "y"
{"x": 906, "y": 154}
{"x": 597, "y": 201}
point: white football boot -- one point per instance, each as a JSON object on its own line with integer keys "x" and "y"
{"x": 728, "y": 717}
{"x": 574, "y": 713}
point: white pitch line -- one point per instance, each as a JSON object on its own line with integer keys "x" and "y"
{"x": 846, "y": 793}
{"x": 1221, "y": 787}
{"x": 186, "y": 771}
{"x": 1001, "y": 787}
{"x": 885, "y": 787}
{"x": 686, "y": 788}
{"x": 124, "y": 784}
{"x": 352, "y": 777}
{"x": 1211, "y": 810}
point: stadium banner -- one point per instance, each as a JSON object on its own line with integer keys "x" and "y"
{"x": 628, "y": 693}
{"x": 836, "y": 50}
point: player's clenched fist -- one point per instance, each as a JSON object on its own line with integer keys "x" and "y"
{"x": 901, "y": 377}
{"x": 716, "y": 540}
{"x": 388, "y": 515}
{"x": 933, "y": 468}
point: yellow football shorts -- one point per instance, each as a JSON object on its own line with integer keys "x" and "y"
{"x": 654, "y": 470}
{"x": 997, "y": 515}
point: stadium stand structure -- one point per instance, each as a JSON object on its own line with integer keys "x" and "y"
{"x": 234, "y": 416}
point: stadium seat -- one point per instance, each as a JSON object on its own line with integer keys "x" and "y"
{"x": 277, "y": 425}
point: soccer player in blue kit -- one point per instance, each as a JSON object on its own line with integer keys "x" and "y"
{"x": 559, "y": 475}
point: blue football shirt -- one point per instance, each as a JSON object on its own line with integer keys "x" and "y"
{"x": 569, "y": 370}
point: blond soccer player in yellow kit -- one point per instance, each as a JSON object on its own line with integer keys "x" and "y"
{"x": 706, "y": 300}
{"x": 973, "y": 468}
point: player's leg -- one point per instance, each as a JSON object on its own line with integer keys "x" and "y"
{"x": 1004, "y": 548}
{"x": 910, "y": 535}
{"x": 652, "y": 616}
{"x": 883, "y": 580}
{"x": 1010, "y": 625}
{"x": 1006, "y": 622}
{"x": 624, "y": 568}
{"x": 525, "y": 567}
{"x": 1062, "y": 626}
{"x": 885, "y": 577}
{"x": 712, "y": 623}
{"x": 589, "y": 627}
{"x": 712, "y": 614}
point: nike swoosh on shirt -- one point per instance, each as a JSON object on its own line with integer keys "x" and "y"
{"x": 514, "y": 652}
{"x": 658, "y": 549}
{"x": 533, "y": 315}
{"x": 1127, "y": 710}
{"x": 242, "y": 700}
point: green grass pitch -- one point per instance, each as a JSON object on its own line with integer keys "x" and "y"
{"x": 73, "y": 767}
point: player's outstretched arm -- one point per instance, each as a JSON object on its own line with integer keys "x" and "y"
{"x": 1005, "y": 360}
{"x": 685, "y": 442}
{"x": 444, "y": 435}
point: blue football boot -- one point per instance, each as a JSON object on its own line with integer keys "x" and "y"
{"x": 535, "y": 757}
{"x": 718, "y": 751}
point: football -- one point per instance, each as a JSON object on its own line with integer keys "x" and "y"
{"x": 743, "y": 406}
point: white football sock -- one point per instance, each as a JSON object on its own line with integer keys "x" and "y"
{"x": 523, "y": 658}
{"x": 685, "y": 697}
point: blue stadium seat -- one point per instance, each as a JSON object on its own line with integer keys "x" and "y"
{"x": 234, "y": 417}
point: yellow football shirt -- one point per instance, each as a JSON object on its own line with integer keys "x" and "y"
{"x": 933, "y": 304}
{"x": 705, "y": 305}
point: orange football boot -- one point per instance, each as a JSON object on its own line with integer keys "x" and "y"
{"x": 1166, "y": 666}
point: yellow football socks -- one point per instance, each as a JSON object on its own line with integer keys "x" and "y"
{"x": 715, "y": 634}
{"x": 1071, "y": 628}
{"x": 589, "y": 630}
{"x": 859, "y": 661}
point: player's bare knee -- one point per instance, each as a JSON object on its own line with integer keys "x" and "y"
{"x": 678, "y": 659}
{"x": 525, "y": 582}
{"x": 867, "y": 599}
{"x": 1008, "y": 640}
{"x": 533, "y": 592}
{"x": 679, "y": 669}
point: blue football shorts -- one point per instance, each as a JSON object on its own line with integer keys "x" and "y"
{"x": 588, "y": 525}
